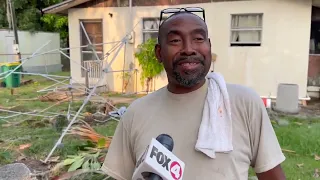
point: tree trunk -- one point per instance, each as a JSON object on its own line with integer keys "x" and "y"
{"x": 148, "y": 84}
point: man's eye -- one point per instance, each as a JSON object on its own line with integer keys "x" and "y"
{"x": 175, "y": 40}
{"x": 199, "y": 39}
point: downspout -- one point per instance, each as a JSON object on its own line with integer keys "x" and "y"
{"x": 132, "y": 46}
{"x": 130, "y": 7}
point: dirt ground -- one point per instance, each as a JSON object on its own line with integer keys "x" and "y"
{"x": 313, "y": 108}
{"x": 309, "y": 112}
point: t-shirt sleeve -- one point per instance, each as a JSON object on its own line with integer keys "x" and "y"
{"x": 119, "y": 162}
{"x": 266, "y": 150}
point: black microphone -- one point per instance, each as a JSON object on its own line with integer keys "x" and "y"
{"x": 167, "y": 142}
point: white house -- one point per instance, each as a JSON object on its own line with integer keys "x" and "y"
{"x": 28, "y": 44}
{"x": 258, "y": 43}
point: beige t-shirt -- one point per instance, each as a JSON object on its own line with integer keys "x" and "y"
{"x": 179, "y": 115}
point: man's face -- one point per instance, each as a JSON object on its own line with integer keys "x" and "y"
{"x": 184, "y": 49}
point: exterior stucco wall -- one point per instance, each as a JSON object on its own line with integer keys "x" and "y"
{"x": 282, "y": 57}
{"x": 28, "y": 44}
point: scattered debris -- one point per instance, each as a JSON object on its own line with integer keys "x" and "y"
{"x": 85, "y": 131}
{"x": 297, "y": 123}
{"x": 26, "y": 82}
{"x": 106, "y": 107}
{"x": 53, "y": 96}
{"x": 316, "y": 173}
{"x": 24, "y": 146}
{"x": 289, "y": 151}
{"x": 98, "y": 112}
{"x": 118, "y": 113}
{"x": 35, "y": 166}
{"x": 56, "y": 169}
{"x": 316, "y": 157}
{"x": 95, "y": 118}
{"x": 70, "y": 175}
{"x": 300, "y": 165}
{"x": 58, "y": 96}
{"x": 53, "y": 159}
{"x": 21, "y": 157}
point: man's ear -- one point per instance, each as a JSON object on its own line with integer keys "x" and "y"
{"x": 157, "y": 50}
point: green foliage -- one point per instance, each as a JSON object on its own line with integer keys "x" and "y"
{"x": 56, "y": 23}
{"x": 3, "y": 16}
{"x": 5, "y": 157}
{"x": 90, "y": 160}
{"x": 30, "y": 17}
{"x": 150, "y": 66}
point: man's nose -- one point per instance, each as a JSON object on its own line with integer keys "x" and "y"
{"x": 187, "y": 50}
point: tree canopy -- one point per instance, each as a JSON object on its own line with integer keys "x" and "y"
{"x": 31, "y": 18}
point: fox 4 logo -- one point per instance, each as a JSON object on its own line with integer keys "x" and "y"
{"x": 175, "y": 168}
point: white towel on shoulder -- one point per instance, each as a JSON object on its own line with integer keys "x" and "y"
{"x": 215, "y": 133}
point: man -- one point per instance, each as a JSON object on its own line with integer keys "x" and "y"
{"x": 185, "y": 51}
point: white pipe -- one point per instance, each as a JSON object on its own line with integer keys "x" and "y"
{"x": 72, "y": 60}
{"x": 22, "y": 113}
{"x": 130, "y": 7}
{"x": 129, "y": 70}
{"x": 115, "y": 56}
{"x": 43, "y": 75}
{"x": 47, "y": 88}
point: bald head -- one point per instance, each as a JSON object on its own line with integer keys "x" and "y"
{"x": 185, "y": 51}
{"x": 180, "y": 18}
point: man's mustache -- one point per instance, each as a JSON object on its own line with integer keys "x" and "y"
{"x": 189, "y": 58}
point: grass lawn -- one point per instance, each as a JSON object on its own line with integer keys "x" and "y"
{"x": 300, "y": 136}
{"x": 305, "y": 141}
{"x": 300, "y": 141}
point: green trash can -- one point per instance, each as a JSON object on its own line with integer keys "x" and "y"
{"x": 13, "y": 80}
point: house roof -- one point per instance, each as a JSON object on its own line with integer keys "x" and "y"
{"x": 62, "y": 8}
{"x": 316, "y": 3}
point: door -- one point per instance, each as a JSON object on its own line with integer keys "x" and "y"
{"x": 91, "y": 32}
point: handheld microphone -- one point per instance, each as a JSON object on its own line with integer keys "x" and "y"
{"x": 158, "y": 162}
{"x": 167, "y": 142}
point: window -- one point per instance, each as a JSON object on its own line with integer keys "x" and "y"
{"x": 93, "y": 30}
{"x": 246, "y": 29}
{"x": 150, "y": 28}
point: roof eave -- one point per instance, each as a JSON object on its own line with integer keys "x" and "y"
{"x": 63, "y": 7}
{"x": 316, "y": 3}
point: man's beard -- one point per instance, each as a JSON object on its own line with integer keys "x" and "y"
{"x": 189, "y": 79}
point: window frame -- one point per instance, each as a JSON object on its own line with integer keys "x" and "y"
{"x": 246, "y": 44}
{"x": 144, "y": 31}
